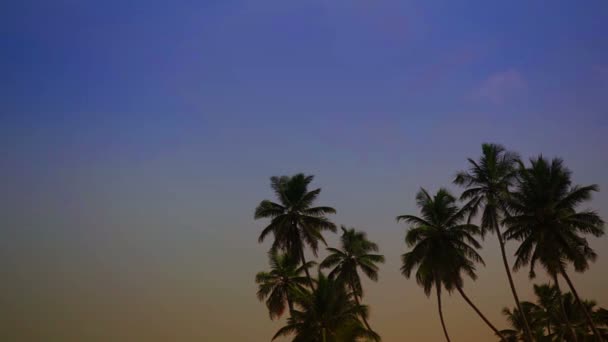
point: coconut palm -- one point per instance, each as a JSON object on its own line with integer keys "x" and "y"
{"x": 549, "y": 321}
{"x": 354, "y": 255}
{"x": 327, "y": 314}
{"x": 549, "y": 311}
{"x": 576, "y": 316}
{"x": 443, "y": 247}
{"x": 294, "y": 221}
{"x": 559, "y": 314}
{"x": 570, "y": 322}
{"x": 601, "y": 316}
{"x": 546, "y": 221}
{"x": 487, "y": 183}
{"x": 281, "y": 284}
{"x": 515, "y": 319}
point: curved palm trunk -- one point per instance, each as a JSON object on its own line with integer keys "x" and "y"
{"x": 352, "y": 287}
{"x": 363, "y": 317}
{"x": 445, "y": 331}
{"x": 563, "y": 310}
{"x": 480, "y": 314}
{"x": 528, "y": 332}
{"x": 596, "y": 332}
{"x": 312, "y": 287}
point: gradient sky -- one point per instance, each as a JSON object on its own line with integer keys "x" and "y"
{"x": 137, "y": 137}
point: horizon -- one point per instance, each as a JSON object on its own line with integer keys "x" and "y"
{"x": 138, "y": 138}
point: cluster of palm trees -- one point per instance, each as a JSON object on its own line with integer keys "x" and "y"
{"x": 547, "y": 319}
{"x": 326, "y": 308}
{"x": 534, "y": 205}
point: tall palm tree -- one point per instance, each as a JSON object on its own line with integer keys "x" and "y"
{"x": 442, "y": 248}
{"x": 327, "y": 314}
{"x": 355, "y": 254}
{"x": 281, "y": 284}
{"x": 294, "y": 221}
{"x": 546, "y": 221}
{"x": 487, "y": 183}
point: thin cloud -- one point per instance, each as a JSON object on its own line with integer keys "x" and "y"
{"x": 500, "y": 86}
{"x": 601, "y": 70}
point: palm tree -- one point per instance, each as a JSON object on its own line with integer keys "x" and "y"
{"x": 487, "y": 183}
{"x": 443, "y": 247}
{"x": 552, "y": 321}
{"x": 294, "y": 220}
{"x": 555, "y": 323}
{"x": 515, "y": 319}
{"x": 549, "y": 315}
{"x": 355, "y": 254}
{"x": 281, "y": 284}
{"x": 570, "y": 322}
{"x": 601, "y": 317}
{"x": 577, "y": 318}
{"x": 545, "y": 220}
{"x": 327, "y": 314}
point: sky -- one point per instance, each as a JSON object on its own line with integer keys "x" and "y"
{"x": 137, "y": 137}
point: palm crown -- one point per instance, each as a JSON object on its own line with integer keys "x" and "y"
{"x": 327, "y": 314}
{"x": 294, "y": 220}
{"x": 487, "y": 183}
{"x": 281, "y": 284}
{"x": 545, "y": 220}
{"x": 443, "y": 247}
{"x": 355, "y": 254}
{"x": 515, "y": 319}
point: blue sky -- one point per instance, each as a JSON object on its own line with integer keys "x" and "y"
{"x": 138, "y": 136}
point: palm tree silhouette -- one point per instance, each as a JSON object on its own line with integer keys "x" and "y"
{"x": 487, "y": 183}
{"x": 515, "y": 319}
{"x": 281, "y": 284}
{"x": 550, "y": 322}
{"x": 547, "y": 295}
{"x": 355, "y": 254}
{"x": 294, "y": 221}
{"x": 545, "y": 220}
{"x": 327, "y": 314}
{"x": 577, "y": 318}
{"x": 548, "y": 309}
{"x": 443, "y": 247}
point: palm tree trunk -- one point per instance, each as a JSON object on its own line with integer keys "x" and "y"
{"x": 479, "y": 313}
{"x": 563, "y": 309}
{"x": 312, "y": 287}
{"x": 363, "y": 317}
{"x": 528, "y": 332}
{"x": 356, "y": 295}
{"x": 597, "y": 334}
{"x": 445, "y": 331}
